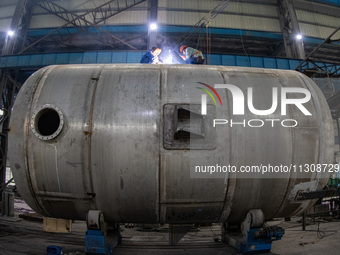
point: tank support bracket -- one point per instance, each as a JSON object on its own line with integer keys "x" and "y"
{"x": 100, "y": 238}
{"x": 177, "y": 232}
{"x": 256, "y": 237}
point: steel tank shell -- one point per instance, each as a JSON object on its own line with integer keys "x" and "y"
{"x": 95, "y": 136}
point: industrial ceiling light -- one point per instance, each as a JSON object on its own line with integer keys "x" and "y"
{"x": 153, "y": 26}
{"x": 10, "y": 33}
{"x": 298, "y": 36}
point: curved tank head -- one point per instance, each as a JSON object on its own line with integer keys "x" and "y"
{"x": 168, "y": 143}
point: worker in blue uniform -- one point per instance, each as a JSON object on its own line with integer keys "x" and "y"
{"x": 191, "y": 55}
{"x": 151, "y": 57}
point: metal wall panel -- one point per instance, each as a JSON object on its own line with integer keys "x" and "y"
{"x": 242, "y": 15}
{"x": 128, "y": 17}
{"x": 46, "y": 20}
{"x": 247, "y": 16}
{"x": 5, "y": 24}
{"x": 222, "y": 21}
{"x": 233, "y": 7}
{"x": 316, "y": 31}
{"x": 252, "y": 9}
{"x": 7, "y": 9}
{"x": 316, "y": 7}
{"x": 4, "y": 3}
{"x": 230, "y": 21}
{"x": 188, "y": 4}
{"x": 179, "y": 18}
{"x": 37, "y": 10}
{"x": 320, "y": 19}
{"x": 87, "y": 5}
{"x": 43, "y": 19}
{"x": 82, "y": 6}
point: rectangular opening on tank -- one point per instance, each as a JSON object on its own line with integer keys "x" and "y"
{"x": 185, "y": 128}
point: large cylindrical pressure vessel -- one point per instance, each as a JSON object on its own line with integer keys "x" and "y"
{"x": 168, "y": 143}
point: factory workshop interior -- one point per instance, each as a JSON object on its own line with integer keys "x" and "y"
{"x": 169, "y": 127}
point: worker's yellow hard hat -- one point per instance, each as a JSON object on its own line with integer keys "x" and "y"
{"x": 182, "y": 48}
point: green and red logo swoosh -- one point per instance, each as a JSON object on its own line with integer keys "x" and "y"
{"x": 209, "y": 93}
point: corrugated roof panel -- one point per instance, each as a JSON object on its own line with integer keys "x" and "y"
{"x": 7, "y": 11}
{"x": 316, "y": 18}
{"x": 234, "y": 7}
{"x": 261, "y": 24}
{"x": 37, "y": 10}
{"x": 83, "y": 4}
{"x": 8, "y": 2}
{"x": 5, "y": 24}
{"x": 315, "y": 31}
{"x": 65, "y": 4}
{"x": 179, "y": 18}
{"x": 252, "y": 9}
{"x": 143, "y": 4}
{"x": 128, "y": 17}
{"x": 229, "y": 21}
{"x": 46, "y": 21}
{"x": 336, "y": 35}
{"x": 88, "y": 5}
{"x": 188, "y": 4}
{"x": 176, "y": 18}
{"x": 222, "y": 21}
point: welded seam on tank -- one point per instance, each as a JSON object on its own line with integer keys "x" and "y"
{"x": 190, "y": 203}
{"x": 317, "y": 106}
{"x": 38, "y": 84}
{"x": 306, "y": 203}
{"x": 277, "y": 75}
{"x": 322, "y": 137}
{"x": 160, "y": 132}
{"x": 90, "y": 127}
{"x": 56, "y": 166}
{"x": 227, "y": 180}
{"x": 319, "y": 111}
{"x": 57, "y": 196}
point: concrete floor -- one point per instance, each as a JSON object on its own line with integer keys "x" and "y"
{"x": 19, "y": 236}
{"x": 319, "y": 238}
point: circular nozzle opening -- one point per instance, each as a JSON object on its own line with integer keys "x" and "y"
{"x": 47, "y": 122}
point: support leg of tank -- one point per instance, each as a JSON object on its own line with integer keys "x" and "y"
{"x": 113, "y": 237}
{"x": 101, "y": 238}
{"x": 253, "y": 236}
{"x": 177, "y": 231}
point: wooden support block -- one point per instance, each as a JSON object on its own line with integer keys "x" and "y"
{"x": 57, "y": 225}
